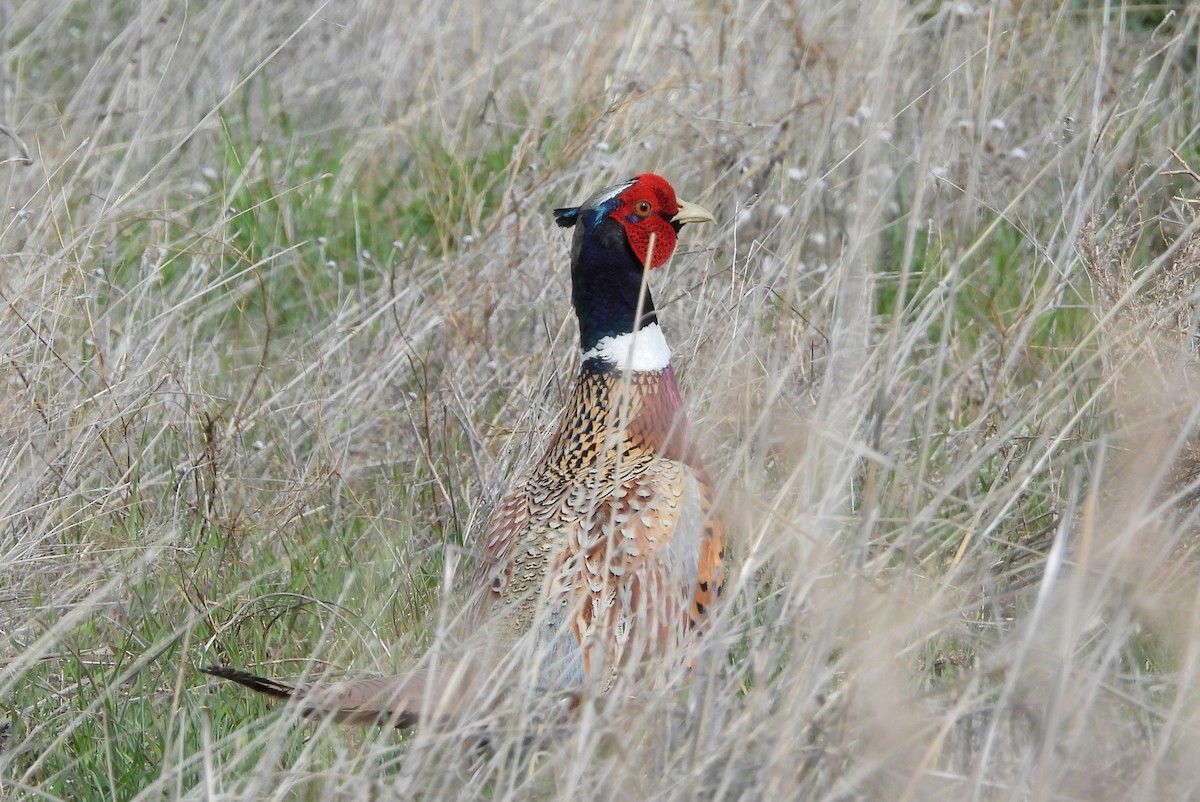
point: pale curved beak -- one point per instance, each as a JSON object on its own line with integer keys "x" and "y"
{"x": 692, "y": 213}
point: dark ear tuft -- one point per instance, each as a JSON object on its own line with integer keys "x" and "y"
{"x": 567, "y": 216}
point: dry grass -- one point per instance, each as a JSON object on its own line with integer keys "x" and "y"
{"x": 282, "y": 309}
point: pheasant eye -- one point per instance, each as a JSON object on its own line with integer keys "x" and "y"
{"x": 642, "y": 208}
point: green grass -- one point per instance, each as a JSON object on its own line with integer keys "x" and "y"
{"x": 283, "y": 309}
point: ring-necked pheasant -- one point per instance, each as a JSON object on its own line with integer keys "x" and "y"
{"x": 607, "y": 557}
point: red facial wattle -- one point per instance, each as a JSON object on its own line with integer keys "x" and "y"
{"x": 645, "y": 211}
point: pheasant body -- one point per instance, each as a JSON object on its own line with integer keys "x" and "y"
{"x": 613, "y": 534}
{"x": 606, "y": 559}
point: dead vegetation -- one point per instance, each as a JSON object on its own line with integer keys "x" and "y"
{"x": 282, "y": 309}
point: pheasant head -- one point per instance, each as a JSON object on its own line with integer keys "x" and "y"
{"x": 620, "y": 233}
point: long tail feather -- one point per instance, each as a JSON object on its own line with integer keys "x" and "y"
{"x": 399, "y": 700}
{"x": 280, "y": 690}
